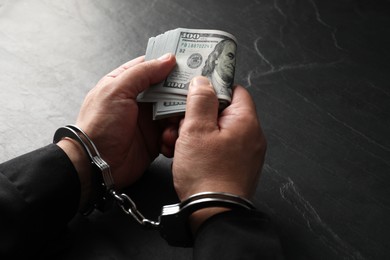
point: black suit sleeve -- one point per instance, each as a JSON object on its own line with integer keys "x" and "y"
{"x": 237, "y": 235}
{"x": 39, "y": 194}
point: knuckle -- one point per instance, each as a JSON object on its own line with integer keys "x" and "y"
{"x": 206, "y": 91}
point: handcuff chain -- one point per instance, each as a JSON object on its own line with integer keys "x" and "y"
{"x": 173, "y": 221}
{"x": 128, "y": 206}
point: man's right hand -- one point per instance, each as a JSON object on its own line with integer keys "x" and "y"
{"x": 217, "y": 152}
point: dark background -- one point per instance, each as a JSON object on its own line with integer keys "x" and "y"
{"x": 318, "y": 71}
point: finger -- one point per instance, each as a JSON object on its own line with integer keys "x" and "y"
{"x": 169, "y": 136}
{"x": 241, "y": 109}
{"x": 167, "y": 145}
{"x": 202, "y": 103}
{"x": 139, "y": 77}
{"x": 125, "y": 66}
{"x": 148, "y": 128}
{"x": 241, "y": 99}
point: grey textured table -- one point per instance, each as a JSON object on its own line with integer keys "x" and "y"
{"x": 318, "y": 71}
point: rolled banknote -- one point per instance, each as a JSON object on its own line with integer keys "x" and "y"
{"x": 211, "y": 53}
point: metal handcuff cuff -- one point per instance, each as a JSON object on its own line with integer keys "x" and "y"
{"x": 173, "y": 221}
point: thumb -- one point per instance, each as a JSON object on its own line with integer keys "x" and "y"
{"x": 136, "y": 79}
{"x": 202, "y": 103}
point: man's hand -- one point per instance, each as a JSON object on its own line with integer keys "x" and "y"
{"x": 123, "y": 130}
{"x": 222, "y": 153}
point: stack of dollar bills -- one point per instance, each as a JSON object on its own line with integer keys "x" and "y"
{"x": 210, "y": 53}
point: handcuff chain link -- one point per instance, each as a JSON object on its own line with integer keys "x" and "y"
{"x": 128, "y": 206}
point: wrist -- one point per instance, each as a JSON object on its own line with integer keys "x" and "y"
{"x": 81, "y": 162}
{"x": 96, "y": 180}
{"x": 199, "y": 217}
{"x": 179, "y": 222}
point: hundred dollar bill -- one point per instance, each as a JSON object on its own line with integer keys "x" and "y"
{"x": 211, "y": 53}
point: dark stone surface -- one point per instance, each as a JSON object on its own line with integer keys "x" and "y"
{"x": 318, "y": 71}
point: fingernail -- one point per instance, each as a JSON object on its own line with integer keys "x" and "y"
{"x": 166, "y": 56}
{"x": 197, "y": 81}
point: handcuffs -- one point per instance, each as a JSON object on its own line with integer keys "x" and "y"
{"x": 173, "y": 222}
